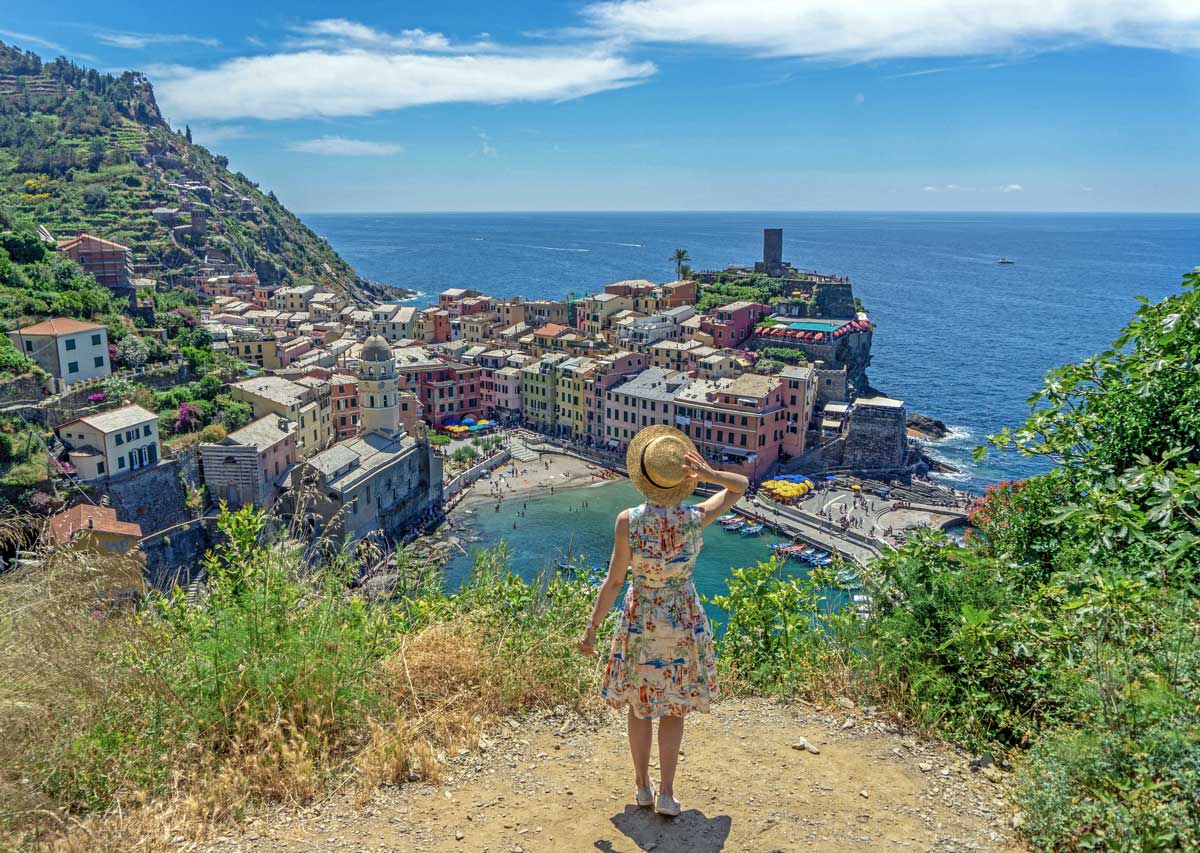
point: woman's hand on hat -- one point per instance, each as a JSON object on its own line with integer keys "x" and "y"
{"x": 697, "y": 468}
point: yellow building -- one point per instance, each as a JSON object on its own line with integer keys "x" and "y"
{"x": 597, "y": 310}
{"x": 539, "y": 392}
{"x": 571, "y": 403}
{"x": 305, "y": 404}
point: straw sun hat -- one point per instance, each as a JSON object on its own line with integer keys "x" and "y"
{"x": 655, "y": 464}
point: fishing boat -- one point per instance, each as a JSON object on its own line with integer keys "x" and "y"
{"x": 848, "y": 579}
{"x": 734, "y": 525}
{"x": 781, "y": 547}
{"x": 752, "y": 530}
{"x": 1006, "y": 261}
{"x": 730, "y": 516}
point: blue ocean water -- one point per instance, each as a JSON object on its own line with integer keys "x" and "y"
{"x": 958, "y": 336}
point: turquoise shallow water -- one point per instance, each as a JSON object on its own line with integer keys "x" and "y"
{"x": 554, "y": 523}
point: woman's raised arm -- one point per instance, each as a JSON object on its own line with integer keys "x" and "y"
{"x": 733, "y": 486}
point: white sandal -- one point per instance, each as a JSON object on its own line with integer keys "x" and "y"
{"x": 666, "y": 806}
{"x": 645, "y": 796}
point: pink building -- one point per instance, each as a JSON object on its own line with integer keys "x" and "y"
{"x": 343, "y": 404}
{"x": 613, "y": 369}
{"x": 730, "y": 325}
{"x": 641, "y": 401}
{"x": 799, "y": 399}
{"x": 247, "y": 466}
{"x": 738, "y": 423}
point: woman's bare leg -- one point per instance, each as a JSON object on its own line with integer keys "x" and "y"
{"x": 641, "y": 734}
{"x": 670, "y": 737}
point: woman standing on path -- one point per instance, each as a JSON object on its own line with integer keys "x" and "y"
{"x": 662, "y": 663}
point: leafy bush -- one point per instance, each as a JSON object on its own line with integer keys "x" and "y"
{"x": 12, "y": 360}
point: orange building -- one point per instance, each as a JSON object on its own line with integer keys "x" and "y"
{"x": 108, "y": 262}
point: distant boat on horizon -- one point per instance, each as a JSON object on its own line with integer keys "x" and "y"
{"x": 1006, "y": 261}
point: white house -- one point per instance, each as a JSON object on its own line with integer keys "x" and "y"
{"x": 70, "y": 350}
{"x": 111, "y": 443}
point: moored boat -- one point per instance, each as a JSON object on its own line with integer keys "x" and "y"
{"x": 751, "y": 530}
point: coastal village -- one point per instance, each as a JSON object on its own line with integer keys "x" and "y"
{"x": 366, "y": 420}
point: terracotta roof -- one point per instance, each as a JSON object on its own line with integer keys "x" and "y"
{"x": 551, "y": 329}
{"x": 58, "y": 326}
{"x": 75, "y": 241}
{"x": 87, "y": 517}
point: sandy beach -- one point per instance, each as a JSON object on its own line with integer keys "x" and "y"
{"x": 552, "y": 473}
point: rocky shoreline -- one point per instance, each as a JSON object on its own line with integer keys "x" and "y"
{"x": 926, "y": 427}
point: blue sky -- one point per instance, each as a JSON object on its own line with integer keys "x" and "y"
{"x": 1090, "y": 105}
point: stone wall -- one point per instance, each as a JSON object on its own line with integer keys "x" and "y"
{"x": 174, "y": 556}
{"x": 473, "y": 473}
{"x": 25, "y": 388}
{"x": 876, "y": 438}
{"x": 153, "y": 497}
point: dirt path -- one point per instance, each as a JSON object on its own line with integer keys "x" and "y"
{"x": 559, "y": 782}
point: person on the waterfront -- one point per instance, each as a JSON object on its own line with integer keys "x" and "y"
{"x": 661, "y": 664}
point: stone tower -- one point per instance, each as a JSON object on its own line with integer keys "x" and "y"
{"x": 773, "y": 250}
{"x": 378, "y": 390}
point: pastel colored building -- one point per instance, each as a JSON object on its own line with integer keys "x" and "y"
{"x": 736, "y": 423}
{"x": 641, "y": 401}
{"x": 70, "y": 350}
{"x": 111, "y": 443}
{"x": 539, "y": 391}
{"x": 594, "y": 312}
{"x": 799, "y": 399}
{"x": 611, "y": 369}
{"x": 732, "y": 325}
{"x": 302, "y": 402}
{"x": 249, "y": 465}
{"x": 343, "y": 405}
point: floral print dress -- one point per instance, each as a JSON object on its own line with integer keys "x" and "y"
{"x": 662, "y": 661}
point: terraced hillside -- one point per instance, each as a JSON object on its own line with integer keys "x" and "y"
{"x": 85, "y": 151}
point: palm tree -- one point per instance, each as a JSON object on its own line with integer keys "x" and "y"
{"x": 680, "y": 257}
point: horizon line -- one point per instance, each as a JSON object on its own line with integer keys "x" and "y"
{"x": 746, "y": 211}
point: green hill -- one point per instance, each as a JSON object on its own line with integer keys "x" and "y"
{"x": 85, "y": 151}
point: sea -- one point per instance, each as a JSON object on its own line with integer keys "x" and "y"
{"x": 958, "y": 336}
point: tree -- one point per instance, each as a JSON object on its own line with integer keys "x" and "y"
{"x": 95, "y": 198}
{"x": 680, "y": 258}
{"x": 132, "y": 351}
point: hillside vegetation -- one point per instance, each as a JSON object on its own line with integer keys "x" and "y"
{"x": 85, "y": 151}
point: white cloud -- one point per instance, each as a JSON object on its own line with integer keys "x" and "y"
{"x": 26, "y": 39}
{"x": 215, "y": 134}
{"x": 878, "y": 29}
{"x": 959, "y": 188}
{"x": 486, "y": 148}
{"x": 137, "y": 40}
{"x": 340, "y": 31}
{"x": 340, "y": 146}
{"x": 350, "y": 69}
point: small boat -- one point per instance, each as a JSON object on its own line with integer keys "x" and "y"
{"x": 728, "y": 517}
{"x": 1006, "y": 261}
{"x": 849, "y": 580}
{"x": 752, "y": 530}
{"x": 735, "y": 525}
